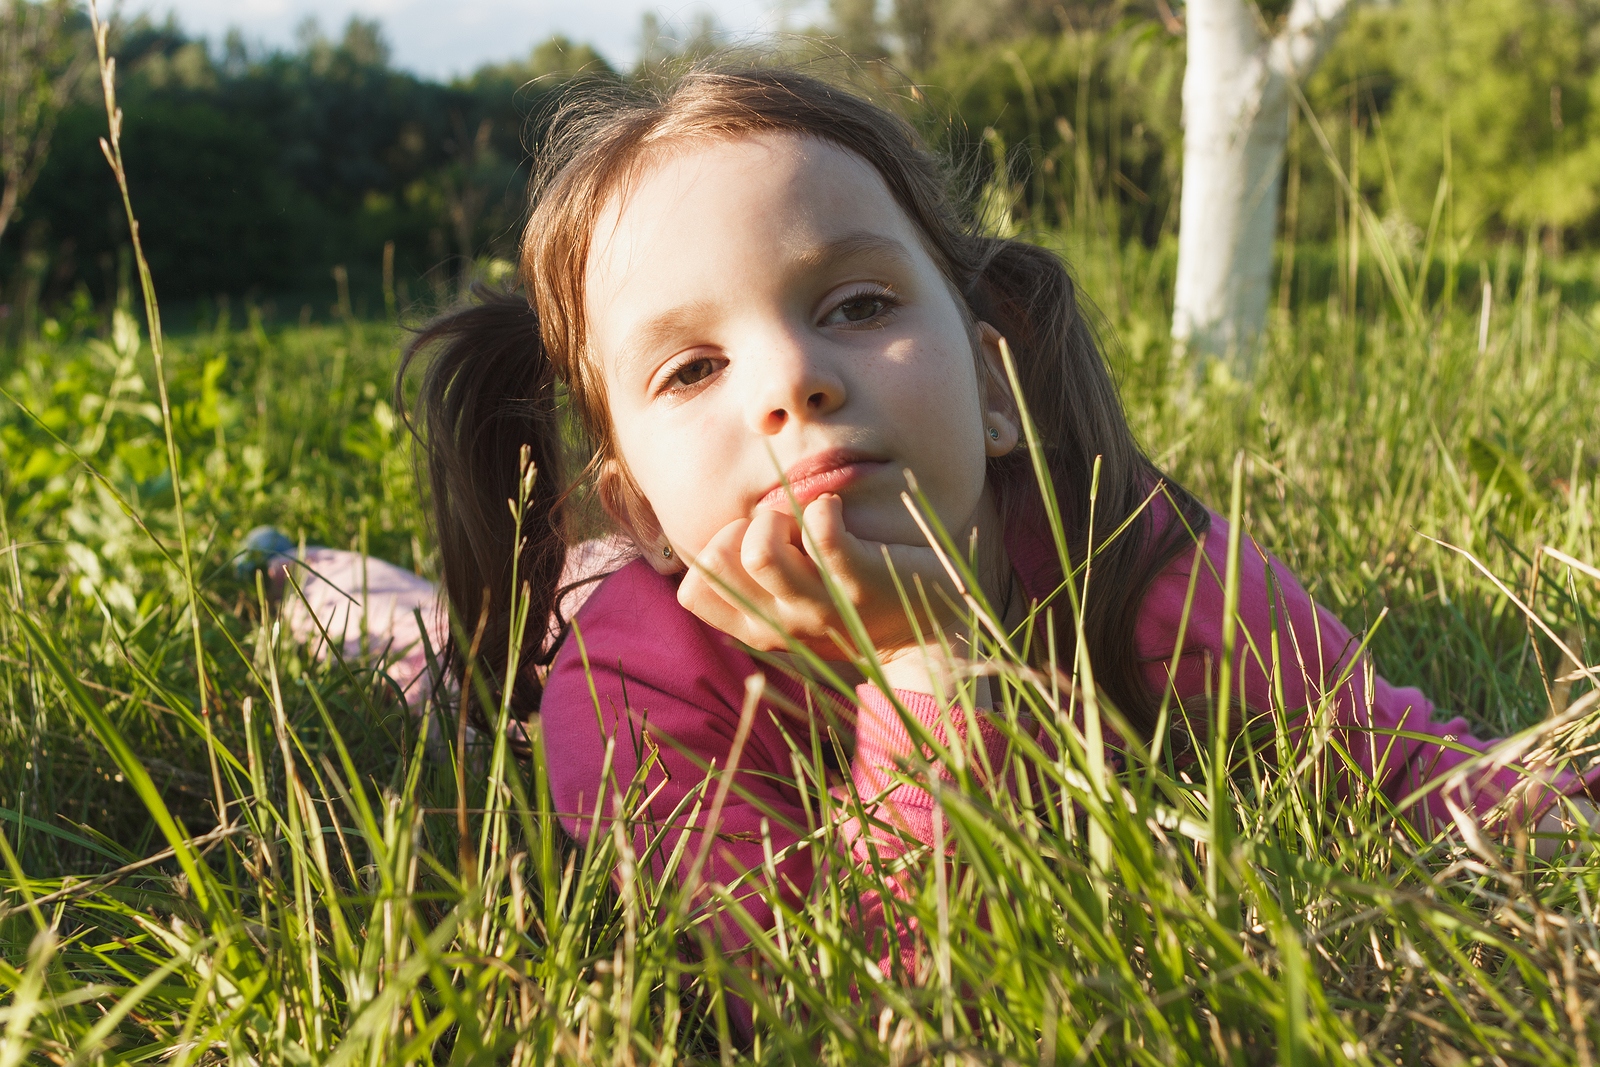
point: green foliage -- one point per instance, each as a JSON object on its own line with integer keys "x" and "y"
{"x": 559, "y": 57}
{"x": 925, "y": 30}
{"x": 42, "y": 63}
{"x": 1089, "y": 121}
{"x": 1510, "y": 85}
{"x": 261, "y": 172}
{"x": 286, "y": 427}
{"x": 206, "y": 174}
{"x": 1089, "y": 108}
{"x": 308, "y": 159}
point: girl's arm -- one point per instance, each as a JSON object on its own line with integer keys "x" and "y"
{"x": 1386, "y": 731}
{"x": 656, "y": 669}
{"x": 665, "y": 691}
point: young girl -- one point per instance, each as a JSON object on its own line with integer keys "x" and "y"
{"x": 763, "y": 310}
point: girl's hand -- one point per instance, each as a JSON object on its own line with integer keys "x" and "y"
{"x": 766, "y": 568}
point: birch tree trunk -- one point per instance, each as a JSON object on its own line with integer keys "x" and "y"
{"x": 1236, "y": 91}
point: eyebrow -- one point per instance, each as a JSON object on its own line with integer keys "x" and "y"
{"x": 662, "y": 328}
{"x": 658, "y": 331}
{"x": 852, "y": 245}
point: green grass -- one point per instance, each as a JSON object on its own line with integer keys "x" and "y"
{"x": 269, "y": 870}
{"x": 327, "y": 917}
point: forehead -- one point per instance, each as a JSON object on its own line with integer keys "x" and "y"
{"x": 746, "y": 203}
{"x": 720, "y": 175}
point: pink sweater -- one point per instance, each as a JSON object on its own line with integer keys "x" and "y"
{"x": 658, "y": 669}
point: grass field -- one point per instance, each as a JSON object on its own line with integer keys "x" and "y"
{"x": 330, "y": 915}
{"x": 217, "y": 849}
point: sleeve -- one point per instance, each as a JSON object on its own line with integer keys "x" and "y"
{"x": 883, "y": 745}
{"x": 1386, "y": 732}
{"x": 903, "y": 812}
{"x": 667, "y": 693}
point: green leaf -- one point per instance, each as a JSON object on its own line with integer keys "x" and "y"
{"x": 1503, "y": 472}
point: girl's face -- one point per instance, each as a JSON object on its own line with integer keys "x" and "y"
{"x": 761, "y": 307}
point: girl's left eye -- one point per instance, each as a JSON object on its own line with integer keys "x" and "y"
{"x": 860, "y": 308}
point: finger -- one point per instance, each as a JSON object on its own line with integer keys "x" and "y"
{"x": 771, "y": 554}
{"x": 868, "y": 571}
{"x": 828, "y": 541}
{"x": 719, "y": 591}
{"x": 707, "y": 602}
{"x": 856, "y": 566}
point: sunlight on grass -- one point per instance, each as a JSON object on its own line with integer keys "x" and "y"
{"x": 218, "y": 848}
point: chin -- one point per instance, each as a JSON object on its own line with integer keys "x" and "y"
{"x": 904, "y": 532}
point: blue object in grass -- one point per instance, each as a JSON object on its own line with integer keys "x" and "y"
{"x": 259, "y": 548}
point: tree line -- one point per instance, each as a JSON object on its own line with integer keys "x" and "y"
{"x": 260, "y": 171}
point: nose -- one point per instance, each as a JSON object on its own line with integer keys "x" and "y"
{"x": 793, "y": 380}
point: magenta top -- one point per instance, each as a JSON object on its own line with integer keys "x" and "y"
{"x": 658, "y": 670}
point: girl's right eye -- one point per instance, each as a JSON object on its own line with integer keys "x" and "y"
{"x": 690, "y": 374}
{"x": 867, "y": 307}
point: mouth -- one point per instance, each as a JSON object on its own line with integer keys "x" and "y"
{"x": 825, "y": 472}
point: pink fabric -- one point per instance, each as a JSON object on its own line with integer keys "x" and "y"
{"x": 663, "y": 683}
{"x": 668, "y": 688}
{"x": 365, "y": 605}
{"x": 360, "y": 601}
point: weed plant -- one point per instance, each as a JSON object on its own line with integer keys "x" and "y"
{"x": 217, "y": 848}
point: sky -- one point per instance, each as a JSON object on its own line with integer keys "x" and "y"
{"x": 442, "y": 38}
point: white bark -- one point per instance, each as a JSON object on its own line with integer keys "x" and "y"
{"x": 1236, "y": 123}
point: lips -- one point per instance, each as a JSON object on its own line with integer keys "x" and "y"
{"x": 825, "y": 472}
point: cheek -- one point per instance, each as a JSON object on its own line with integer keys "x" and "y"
{"x": 966, "y": 466}
{"x": 960, "y": 436}
{"x": 938, "y": 415}
{"x": 669, "y": 462}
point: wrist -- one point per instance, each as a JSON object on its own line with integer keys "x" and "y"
{"x": 931, "y": 667}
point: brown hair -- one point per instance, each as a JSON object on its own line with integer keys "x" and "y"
{"x": 478, "y": 399}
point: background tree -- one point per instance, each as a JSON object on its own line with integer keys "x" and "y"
{"x": 1519, "y": 84}
{"x": 857, "y": 29}
{"x": 261, "y": 170}
{"x": 1236, "y": 99}
{"x": 43, "y": 58}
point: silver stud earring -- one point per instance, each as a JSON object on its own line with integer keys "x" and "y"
{"x": 666, "y": 551}
{"x": 994, "y": 434}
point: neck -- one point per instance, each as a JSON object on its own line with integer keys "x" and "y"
{"x": 994, "y": 571}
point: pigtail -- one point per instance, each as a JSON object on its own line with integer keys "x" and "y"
{"x": 487, "y": 392}
{"x": 1026, "y": 293}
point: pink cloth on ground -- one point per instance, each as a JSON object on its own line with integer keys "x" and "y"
{"x": 356, "y": 599}
{"x": 360, "y": 601}
{"x": 656, "y": 668}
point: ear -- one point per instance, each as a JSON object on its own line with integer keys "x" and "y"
{"x": 1002, "y": 425}
{"x": 628, "y": 508}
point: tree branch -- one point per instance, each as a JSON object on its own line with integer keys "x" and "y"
{"x": 1171, "y": 21}
{"x": 1309, "y": 30}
